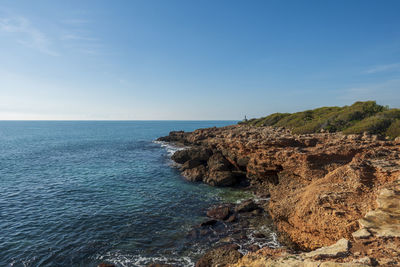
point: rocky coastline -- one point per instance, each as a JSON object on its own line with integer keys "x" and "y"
{"x": 333, "y": 198}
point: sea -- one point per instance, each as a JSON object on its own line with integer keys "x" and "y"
{"x": 78, "y": 193}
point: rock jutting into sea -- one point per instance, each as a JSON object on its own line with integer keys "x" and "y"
{"x": 334, "y": 198}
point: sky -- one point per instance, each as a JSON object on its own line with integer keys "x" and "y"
{"x": 194, "y": 60}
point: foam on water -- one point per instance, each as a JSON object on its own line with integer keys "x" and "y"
{"x": 127, "y": 260}
{"x": 170, "y": 148}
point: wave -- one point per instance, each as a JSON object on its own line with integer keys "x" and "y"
{"x": 127, "y": 260}
{"x": 171, "y": 149}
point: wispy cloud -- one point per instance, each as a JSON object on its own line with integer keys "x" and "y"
{"x": 90, "y": 46}
{"x": 72, "y": 33}
{"x": 75, "y": 21}
{"x": 383, "y": 68}
{"x": 77, "y": 37}
{"x": 28, "y": 35}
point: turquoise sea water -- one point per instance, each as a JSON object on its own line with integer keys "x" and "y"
{"x": 81, "y": 193}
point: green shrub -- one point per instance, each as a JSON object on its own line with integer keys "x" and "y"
{"x": 271, "y": 119}
{"x": 309, "y": 127}
{"x": 394, "y": 129}
{"x": 374, "y": 125}
{"x": 393, "y": 113}
{"x": 360, "y": 117}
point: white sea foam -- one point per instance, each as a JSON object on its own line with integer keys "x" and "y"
{"x": 171, "y": 149}
{"x": 261, "y": 199}
{"x": 127, "y": 260}
{"x": 270, "y": 241}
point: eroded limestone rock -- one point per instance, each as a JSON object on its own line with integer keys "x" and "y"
{"x": 319, "y": 185}
{"x": 340, "y": 249}
{"x": 361, "y": 234}
{"x": 220, "y": 256}
{"x": 385, "y": 220}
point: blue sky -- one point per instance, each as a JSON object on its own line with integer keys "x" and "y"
{"x": 149, "y": 59}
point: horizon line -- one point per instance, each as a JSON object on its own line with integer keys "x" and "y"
{"x": 3, "y": 120}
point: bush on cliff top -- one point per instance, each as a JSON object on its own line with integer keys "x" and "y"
{"x": 394, "y": 130}
{"x": 358, "y": 118}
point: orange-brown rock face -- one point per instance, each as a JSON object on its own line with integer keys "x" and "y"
{"x": 320, "y": 184}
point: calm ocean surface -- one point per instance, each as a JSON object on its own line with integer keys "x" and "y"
{"x": 81, "y": 193}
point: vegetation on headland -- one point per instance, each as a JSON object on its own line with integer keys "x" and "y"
{"x": 355, "y": 119}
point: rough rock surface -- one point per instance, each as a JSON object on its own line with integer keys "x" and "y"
{"x": 220, "y": 256}
{"x": 220, "y": 212}
{"x": 320, "y": 185}
{"x": 246, "y": 206}
{"x": 280, "y": 258}
{"x": 360, "y": 234}
{"x": 385, "y": 220}
{"x": 341, "y": 248}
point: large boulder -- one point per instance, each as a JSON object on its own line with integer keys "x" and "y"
{"x": 199, "y": 154}
{"x": 181, "y": 156}
{"x": 246, "y": 206}
{"x": 221, "y": 178}
{"x": 190, "y": 164}
{"x": 219, "y": 212}
{"x": 220, "y": 256}
{"x": 218, "y": 162}
{"x": 195, "y": 174}
{"x": 175, "y": 136}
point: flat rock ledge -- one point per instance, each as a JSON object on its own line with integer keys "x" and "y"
{"x": 340, "y": 249}
{"x": 385, "y": 220}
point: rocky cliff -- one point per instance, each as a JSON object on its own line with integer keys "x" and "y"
{"x": 320, "y": 185}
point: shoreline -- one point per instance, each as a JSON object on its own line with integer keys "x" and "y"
{"x": 273, "y": 162}
{"x": 253, "y": 236}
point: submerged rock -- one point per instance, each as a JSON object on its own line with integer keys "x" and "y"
{"x": 231, "y": 218}
{"x": 246, "y": 206}
{"x": 209, "y": 222}
{"x": 219, "y": 213}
